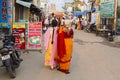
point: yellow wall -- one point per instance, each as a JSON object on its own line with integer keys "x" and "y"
{"x": 27, "y": 14}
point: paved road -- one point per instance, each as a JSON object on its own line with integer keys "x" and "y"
{"x": 93, "y": 59}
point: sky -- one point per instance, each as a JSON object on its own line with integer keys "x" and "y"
{"x": 60, "y": 3}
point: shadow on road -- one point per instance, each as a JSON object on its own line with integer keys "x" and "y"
{"x": 104, "y": 42}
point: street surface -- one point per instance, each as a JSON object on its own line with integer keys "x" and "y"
{"x": 93, "y": 58}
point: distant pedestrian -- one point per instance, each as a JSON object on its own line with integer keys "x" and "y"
{"x": 76, "y": 22}
{"x": 59, "y": 21}
{"x": 50, "y": 44}
{"x": 46, "y": 22}
{"x": 65, "y": 46}
{"x": 63, "y": 21}
{"x": 79, "y": 25}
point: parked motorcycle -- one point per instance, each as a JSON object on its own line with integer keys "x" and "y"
{"x": 10, "y": 57}
{"x": 110, "y": 36}
{"x": 91, "y": 27}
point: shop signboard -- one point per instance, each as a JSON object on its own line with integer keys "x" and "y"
{"x": 34, "y": 36}
{"x": 5, "y": 13}
{"x": 18, "y": 30}
{"x": 107, "y": 9}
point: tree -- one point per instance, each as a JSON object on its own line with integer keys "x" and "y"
{"x": 76, "y": 0}
{"x": 75, "y": 5}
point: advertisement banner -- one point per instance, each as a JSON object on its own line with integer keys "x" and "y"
{"x": 107, "y": 10}
{"x": 34, "y": 36}
{"x": 5, "y": 13}
{"x": 18, "y": 30}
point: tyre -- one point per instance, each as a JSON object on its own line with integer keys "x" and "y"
{"x": 11, "y": 71}
{"x": 110, "y": 38}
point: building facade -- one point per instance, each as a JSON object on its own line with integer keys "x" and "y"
{"x": 27, "y": 10}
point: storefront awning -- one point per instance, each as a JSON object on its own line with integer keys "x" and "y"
{"x": 77, "y": 13}
{"x": 23, "y": 3}
{"x": 33, "y": 9}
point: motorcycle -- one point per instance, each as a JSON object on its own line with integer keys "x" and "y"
{"x": 10, "y": 58}
{"x": 91, "y": 27}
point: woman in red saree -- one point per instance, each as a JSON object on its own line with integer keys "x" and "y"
{"x": 65, "y": 45}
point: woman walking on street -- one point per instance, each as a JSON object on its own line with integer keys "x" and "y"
{"x": 50, "y": 44}
{"x": 65, "y": 45}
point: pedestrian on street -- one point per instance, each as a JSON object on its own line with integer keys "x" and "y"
{"x": 63, "y": 21}
{"x": 46, "y": 22}
{"x": 59, "y": 21}
{"x": 50, "y": 44}
{"x": 65, "y": 46}
{"x": 79, "y": 25}
{"x": 76, "y": 22}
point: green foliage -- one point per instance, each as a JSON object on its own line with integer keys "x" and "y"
{"x": 76, "y": 8}
{"x": 64, "y": 7}
{"x": 76, "y": 0}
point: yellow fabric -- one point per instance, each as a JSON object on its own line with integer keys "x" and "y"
{"x": 61, "y": 29}
{"x": 98, "y": 20}
{"x": 65, "y": 61}
{"x": 79, "y": 26}
{"x": 48, "y": 51}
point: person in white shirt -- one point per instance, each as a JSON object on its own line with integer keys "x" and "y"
{"x": 92, "y": 24}
{"x": 93, "y": 17}
{"x": 46, "y": 22}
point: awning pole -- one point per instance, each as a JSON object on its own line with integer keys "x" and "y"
{"x": 115, "y": 19}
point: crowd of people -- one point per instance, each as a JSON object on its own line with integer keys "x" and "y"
{"x": 84, "y": 23}
{"x": 58, "y": 44}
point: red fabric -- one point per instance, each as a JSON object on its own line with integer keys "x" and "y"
{"x": 61, "y": 44}
{"x": 68, "y": 35}
{"x": 43, "y": 23}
